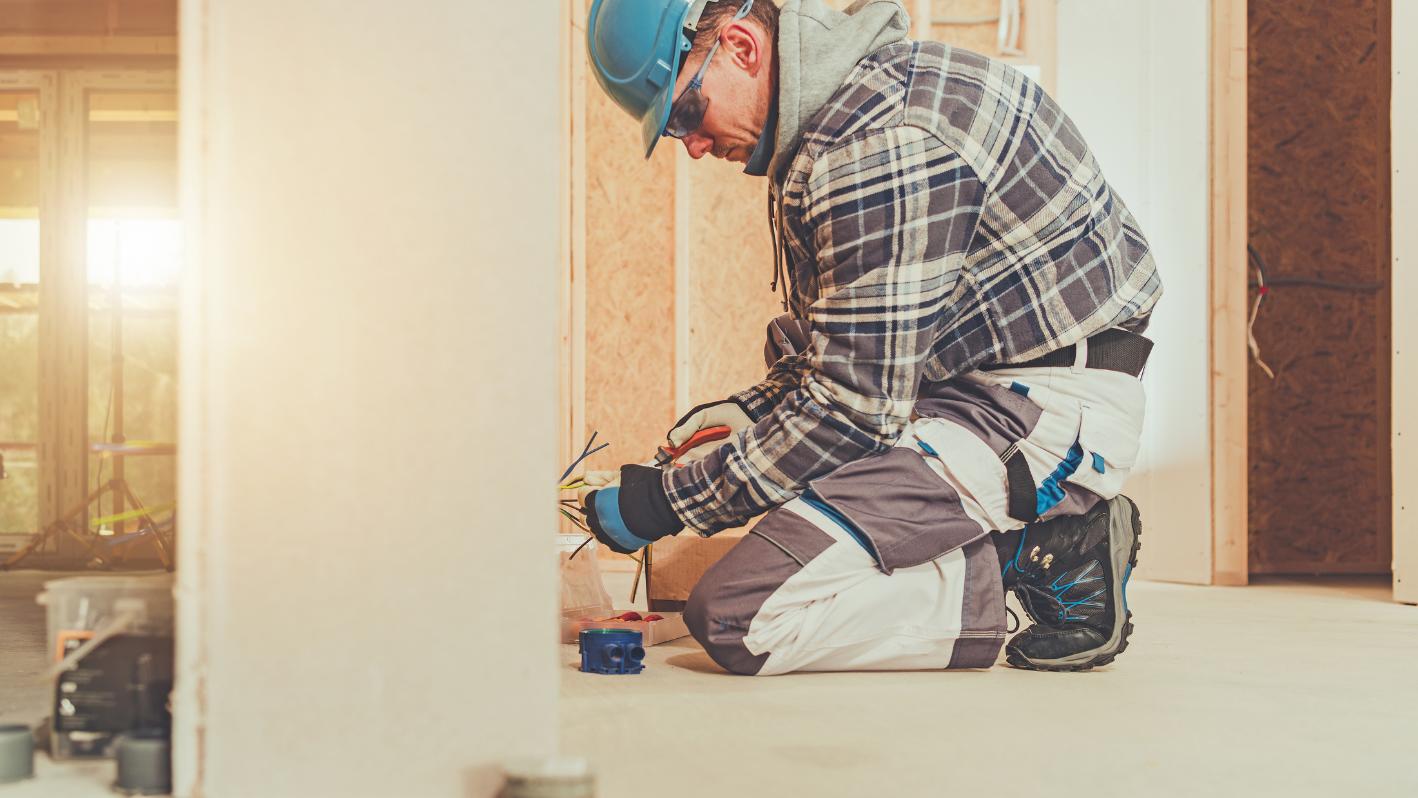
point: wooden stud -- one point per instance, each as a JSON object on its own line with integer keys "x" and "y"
{"x": 1228, "y": 293}
{"x": 572, "y": 293}
{"x": 1404, "y": 192}
{"x": 921, "y": 20}
{"x": 63, "y": 303}
{"x": 1383, "y": 313}
{"x": 682, "y": 280}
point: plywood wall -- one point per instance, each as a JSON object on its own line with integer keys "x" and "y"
{"x": 981, "y": 37}
{"x": 1038, "y": 38}
{"x": 730, "y": 273}
{"x": 1318, "y": 190}
{"x": 630, "y": 278}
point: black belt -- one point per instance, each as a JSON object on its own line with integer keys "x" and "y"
{"x": 1114, "y": 350}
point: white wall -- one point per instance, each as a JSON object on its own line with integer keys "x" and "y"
{"x": 1405, "y": 285}
{"x": 1133, "y": 75}
{"x": 366, "y": 585}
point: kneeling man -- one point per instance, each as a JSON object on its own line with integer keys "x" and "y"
{"x": 957, "y": 404}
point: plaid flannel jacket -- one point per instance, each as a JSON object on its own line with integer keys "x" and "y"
{"x": 942, "y": 213}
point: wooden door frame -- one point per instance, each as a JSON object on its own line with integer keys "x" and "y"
{"x": 1404, "y": 282}
{"x": 1229, "y": 276}
{"x": 1229, "y": 312}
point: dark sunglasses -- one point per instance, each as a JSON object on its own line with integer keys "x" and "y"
{"x": 687, "y": 114}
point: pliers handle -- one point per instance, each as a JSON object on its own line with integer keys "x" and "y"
{"x": 667, "y": 456}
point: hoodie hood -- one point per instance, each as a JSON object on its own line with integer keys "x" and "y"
{"x": 818, "y": 47}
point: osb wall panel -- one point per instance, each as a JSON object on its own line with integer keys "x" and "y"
{"x": 629, "y": 286}
{"x": 981, "y": 37}
{"x": 730, "y": 273}
{"x": 1317, "y": 185}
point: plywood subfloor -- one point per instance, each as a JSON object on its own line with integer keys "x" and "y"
{"x": 1285, "y": 688}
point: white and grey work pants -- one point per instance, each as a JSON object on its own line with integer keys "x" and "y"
{"x": 888, "y": 563}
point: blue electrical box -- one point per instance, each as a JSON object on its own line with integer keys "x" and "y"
{"x": 611, "y": 651}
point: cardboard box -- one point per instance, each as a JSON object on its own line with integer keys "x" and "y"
{"x": 678, "y": 562}
{"x": 652, "y": 633}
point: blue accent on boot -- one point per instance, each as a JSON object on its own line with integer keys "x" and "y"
{"x": 1019, "y": 552}
{"x": 1126, "y": 576}
{"x": 1098, "y": 463}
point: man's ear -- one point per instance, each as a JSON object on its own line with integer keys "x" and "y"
{"x": 744, "y": 45}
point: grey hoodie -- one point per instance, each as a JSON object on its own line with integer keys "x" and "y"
{"x": 818, "y": 47}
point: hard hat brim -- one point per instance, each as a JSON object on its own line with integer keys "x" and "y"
{"x": 652, "y": 125}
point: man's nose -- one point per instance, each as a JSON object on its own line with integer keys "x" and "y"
{"x": 696, "y": 145}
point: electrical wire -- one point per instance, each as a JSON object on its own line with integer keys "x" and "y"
{"x": 1264, "y": 282}
{"x": 1333, "y": 285}
{"x": 585, "y": 452}
{"x": 577, "y": 483}
{"x": 1255, "y": 309}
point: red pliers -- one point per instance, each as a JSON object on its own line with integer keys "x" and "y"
{"x": 667, "y": 457}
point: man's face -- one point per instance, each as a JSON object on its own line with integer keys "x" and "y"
{"x": 739, "y": 87}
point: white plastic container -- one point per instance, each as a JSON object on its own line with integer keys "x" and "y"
{"x": 95, "y": 609}
{"x": 582, "y": 591}
{"x": 80, "y": 606}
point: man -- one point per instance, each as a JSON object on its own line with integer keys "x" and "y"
{"x": 966, "y": 403}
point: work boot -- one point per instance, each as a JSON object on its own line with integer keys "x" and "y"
{"x": 1070, "y": 574}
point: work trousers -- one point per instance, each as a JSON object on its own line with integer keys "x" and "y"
{"x": 888, "y": 563}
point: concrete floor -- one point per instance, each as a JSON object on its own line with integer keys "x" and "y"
{"x": 1289, "y": 687}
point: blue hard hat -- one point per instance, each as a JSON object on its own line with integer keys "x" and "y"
{"x": 635, "y": 48}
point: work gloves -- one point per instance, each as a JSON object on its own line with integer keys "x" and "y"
{"x": 727, "y": 413}
{"x": 629, "y": 510}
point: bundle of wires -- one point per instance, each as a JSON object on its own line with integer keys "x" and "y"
{"x": 572, "y": 505}
{"x": 568, "y": 506}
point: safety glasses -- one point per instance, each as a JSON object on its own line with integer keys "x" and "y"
{"x": 687, "y": 114}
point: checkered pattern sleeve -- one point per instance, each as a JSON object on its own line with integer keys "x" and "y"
{"x": 888, "y": 216}
{"x": 783, "y": 378}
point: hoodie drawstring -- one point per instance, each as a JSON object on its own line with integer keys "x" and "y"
{"x": 775, "y": 231}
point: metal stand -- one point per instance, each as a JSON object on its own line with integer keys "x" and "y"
{"x": 118, "y": 485}
{"x": 65, "y": 526}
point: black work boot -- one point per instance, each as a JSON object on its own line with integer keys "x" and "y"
{"x": 1070, "y": 574}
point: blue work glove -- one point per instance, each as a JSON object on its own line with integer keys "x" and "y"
{"x": 633, "y": 514}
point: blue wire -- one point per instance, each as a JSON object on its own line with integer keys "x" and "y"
{"x": 586, "y": 452}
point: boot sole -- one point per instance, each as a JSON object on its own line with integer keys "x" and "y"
{"x": 1106, "y": 653}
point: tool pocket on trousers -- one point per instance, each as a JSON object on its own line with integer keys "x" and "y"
{"x": 1110, "y": 443}
{"x": 907, "y": 513}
